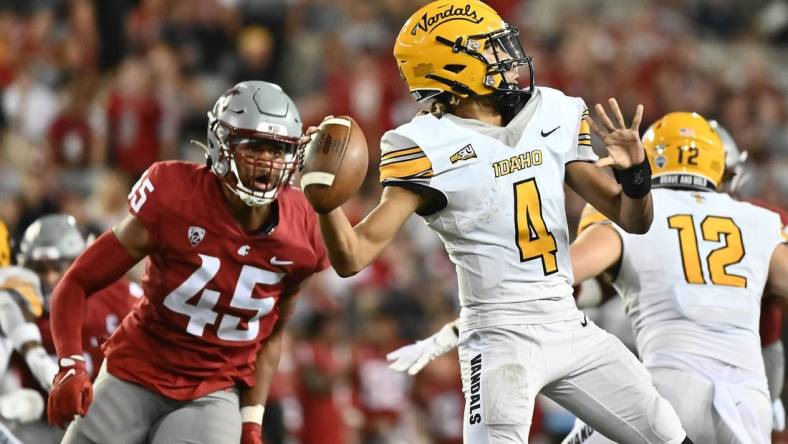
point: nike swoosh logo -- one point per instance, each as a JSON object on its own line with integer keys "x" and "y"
{"x": 275, "y": 261}
{"x": 584, "y": 322}
{"x": 545, "y": 134}
{"x": 68, "y": 374}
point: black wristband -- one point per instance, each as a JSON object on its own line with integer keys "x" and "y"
{"x": 635, "y": 180}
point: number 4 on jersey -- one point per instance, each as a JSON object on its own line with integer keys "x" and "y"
{"x": 533, "y": 238}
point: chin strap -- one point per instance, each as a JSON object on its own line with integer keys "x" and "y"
{"x": 509, "y": 104}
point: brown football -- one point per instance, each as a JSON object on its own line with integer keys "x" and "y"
{"x": 335, "y": 163}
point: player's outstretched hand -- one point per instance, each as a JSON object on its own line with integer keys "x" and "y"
{"x": 622, "y": 142}
{"x": 414, "y": 357}
{"x": 72, "y": 391}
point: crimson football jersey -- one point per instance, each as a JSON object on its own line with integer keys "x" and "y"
{"x": 104, "y": 310}
{"x": 322, "y": 413}
{"x": 211, "y": 289}
{"x": 378, "y": 391}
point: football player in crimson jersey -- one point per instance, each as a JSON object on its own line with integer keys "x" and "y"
{"x": 228, "y": 245}
{"x": 48, "y": 247}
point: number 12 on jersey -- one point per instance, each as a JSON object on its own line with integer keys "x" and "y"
{"x": 534, "y": 240}
{"x": 713, "y": 229}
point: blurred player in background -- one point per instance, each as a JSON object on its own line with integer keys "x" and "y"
{"x": 48, "y": 247}
{"x": 229, "y": 245}
{"x": 21, "y": 303}
{"x": 486, "y": 169}
{"x": 694, "y": 307}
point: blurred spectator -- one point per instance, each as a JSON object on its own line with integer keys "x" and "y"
{"x": 134, "y": 120}
{"x": 320, "y": 373}
{"x": 70, "y": 136}
{"x": 37, "y": 198}
{"x": 438, "y": 390}
{"x": 379, "y": 392}
{"x": 255, "y": 50}
{"x": 29, "y": 105}
{"x": 111, "y": 32}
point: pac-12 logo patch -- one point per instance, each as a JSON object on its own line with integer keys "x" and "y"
{"x": 464, "y": 153}
{"x": 196, "y": 235}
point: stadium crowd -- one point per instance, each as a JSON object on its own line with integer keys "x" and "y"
{"x": 93, "y": 92}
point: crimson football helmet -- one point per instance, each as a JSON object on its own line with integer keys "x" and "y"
{"x": 253, "y": 111}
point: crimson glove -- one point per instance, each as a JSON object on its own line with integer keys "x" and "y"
{"x": 251, "y": 433}
{"x": 72, "y": 391}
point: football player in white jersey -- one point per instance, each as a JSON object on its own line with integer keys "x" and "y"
{"x": 21, "y": 302}
{"x": 486, "y": 169}
{"x": 694, "y": 301}
{"x": 694, "y": 298}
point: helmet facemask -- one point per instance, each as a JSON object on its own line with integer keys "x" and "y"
{"x": 502, "y": 53}
{"x": 242, "y": 149}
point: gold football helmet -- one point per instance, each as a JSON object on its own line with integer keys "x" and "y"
{"x": 684, "y": 150}
{"x": 459, "y": 46}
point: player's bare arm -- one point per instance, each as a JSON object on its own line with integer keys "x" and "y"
{"x": 270, "y": 351}
{"x": 253, "y": 399}
{"x": 595, "y": 250}
{"x": 131, "y": 233}
{"x": 350, "y": 248}
{"x": 632, "y": 210}
{"x": 778, "y": 272}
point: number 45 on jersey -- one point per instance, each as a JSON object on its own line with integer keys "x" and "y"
{"x": 202, "y": 313}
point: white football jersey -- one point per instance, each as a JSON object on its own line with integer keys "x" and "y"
{"x": 693, "y": 283}
{"x": 497, "y": 203}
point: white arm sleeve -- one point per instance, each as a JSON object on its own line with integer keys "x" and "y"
{"x": 774, "y": 360}
{"x": 13, "y": 323}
